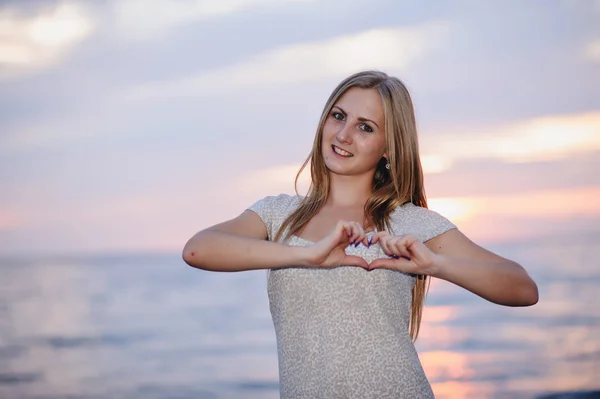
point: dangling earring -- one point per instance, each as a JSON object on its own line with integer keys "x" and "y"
{"x": 387, "y": 165}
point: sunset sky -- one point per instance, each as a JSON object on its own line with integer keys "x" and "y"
{"x": 130, "y": 125}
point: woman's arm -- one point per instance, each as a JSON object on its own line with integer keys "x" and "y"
{"x": 237, "y": 245}
{"x": 464, "y": 263}
{"x": 241, "y": 244}
{"x": 453, "y": 257}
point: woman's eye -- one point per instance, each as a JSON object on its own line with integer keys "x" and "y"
{"x": 338, "y": 116}
{"x": 366, "y": 128}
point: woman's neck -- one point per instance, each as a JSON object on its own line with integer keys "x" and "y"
{"x": 349, "y": 191}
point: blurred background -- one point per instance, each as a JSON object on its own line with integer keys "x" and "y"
{"x": 126, "y": 126}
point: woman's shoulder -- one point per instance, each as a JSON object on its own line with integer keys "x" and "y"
{"x": 273, "y": 210}
{"x": 273, "y": 205}
{"x": 281, "y": 201}
{"x": 410, "y": 209}
{"x": 421, "y": 221}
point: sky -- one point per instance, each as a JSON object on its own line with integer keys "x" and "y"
{"x": 130, "y": 125}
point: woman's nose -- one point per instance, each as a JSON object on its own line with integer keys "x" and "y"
{"x": 344, "y": 135}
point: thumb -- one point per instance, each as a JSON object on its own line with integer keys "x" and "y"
{"x": 351, "y": 260}
{"x": 334, "y": 238}
{"x": 340, "y": 235}
{"x": 387, "y": 263}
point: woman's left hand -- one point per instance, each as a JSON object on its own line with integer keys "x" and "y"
{"x": 408, "y": 254}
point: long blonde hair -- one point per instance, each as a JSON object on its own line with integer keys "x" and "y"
{"x": 402, "y": 183}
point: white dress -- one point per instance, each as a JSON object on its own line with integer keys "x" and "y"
{"x": 343, "y": 332}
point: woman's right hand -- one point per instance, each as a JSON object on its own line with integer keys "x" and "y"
{"x": 330, "y": 252}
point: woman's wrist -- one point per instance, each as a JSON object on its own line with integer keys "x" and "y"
{"x": 298, "y": 256}
{"x": 438, "y": 265}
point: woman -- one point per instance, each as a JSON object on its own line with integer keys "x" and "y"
{"x": 350, "y": 261}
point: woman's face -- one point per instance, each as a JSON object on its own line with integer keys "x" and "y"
{"x": 353, "y": 134}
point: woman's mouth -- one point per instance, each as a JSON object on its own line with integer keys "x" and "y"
{"x": 340, "y": 152}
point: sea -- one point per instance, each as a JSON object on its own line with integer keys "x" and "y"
{"x": 149, "y": 326}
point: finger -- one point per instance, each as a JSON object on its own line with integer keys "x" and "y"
{"x": 414, "y": 247}
{"x": 410, "y": 240}
{"x": 382, "y": 234}
{"x": 399, "y": 248}
{"x": 348, "y": 231}
{"x": 353, "y": 233}
{"x": 355, "y": 261}
{"x": 376, "y": 237}
{"x": 372, "y": 240}
{"x": 360, "y": 233}
{"x": 337, "y": 236}
{"x": 384, "y": 243}
{"x": 352, "y": 228}
{"x": 366, "y": 241}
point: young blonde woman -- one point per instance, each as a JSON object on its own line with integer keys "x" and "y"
{"x": 349, "y": 262}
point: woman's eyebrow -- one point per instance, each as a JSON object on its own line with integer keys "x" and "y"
{"x": 360, "y": 118}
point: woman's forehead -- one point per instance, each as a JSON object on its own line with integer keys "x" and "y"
{"x": 359, "y": 102}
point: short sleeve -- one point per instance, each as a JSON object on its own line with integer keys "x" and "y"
{"x": 273, "y": 210}
{"x": 421, "y": 222}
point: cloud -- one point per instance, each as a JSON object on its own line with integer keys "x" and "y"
{"x": 537, "y": 139}
{"x": 386, "y": 48}
{"x": 558, "y": 203}
{"x": 11, "y": 219}
{"x": 592, "y": 50}
{"x": 539, "y": 202}
{"x": 280, "y": 178}
{"x": 31, "y": 43}
{"x": 516, "y": 216}
{"x": 143, "y": 20}
{"x": 495, "y": 177}
{"x": 275, "y": 179}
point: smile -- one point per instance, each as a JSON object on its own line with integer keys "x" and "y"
{"x": 341, "y": 152}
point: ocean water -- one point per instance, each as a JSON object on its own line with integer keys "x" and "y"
{"x": 149, "y": 326}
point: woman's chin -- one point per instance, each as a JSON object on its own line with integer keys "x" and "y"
{"x": 340, "y": 170}
{"x": 334, "y": 166}
{"x": 336, "y": 170}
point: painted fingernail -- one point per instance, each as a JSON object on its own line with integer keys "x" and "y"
{"x": 395, "y": 256}
{"x": 369, "y": 242}
{"x": 406, "y": 257}
{"x": 357, "y": 244}
{"x": 351, "y": 242}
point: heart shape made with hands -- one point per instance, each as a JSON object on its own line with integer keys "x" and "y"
{"x": 406, "y": 253}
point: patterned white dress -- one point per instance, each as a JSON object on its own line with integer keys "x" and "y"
{"x": 343, "y": 332}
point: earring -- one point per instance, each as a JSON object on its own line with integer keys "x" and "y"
{"x": 387, "y": 165}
